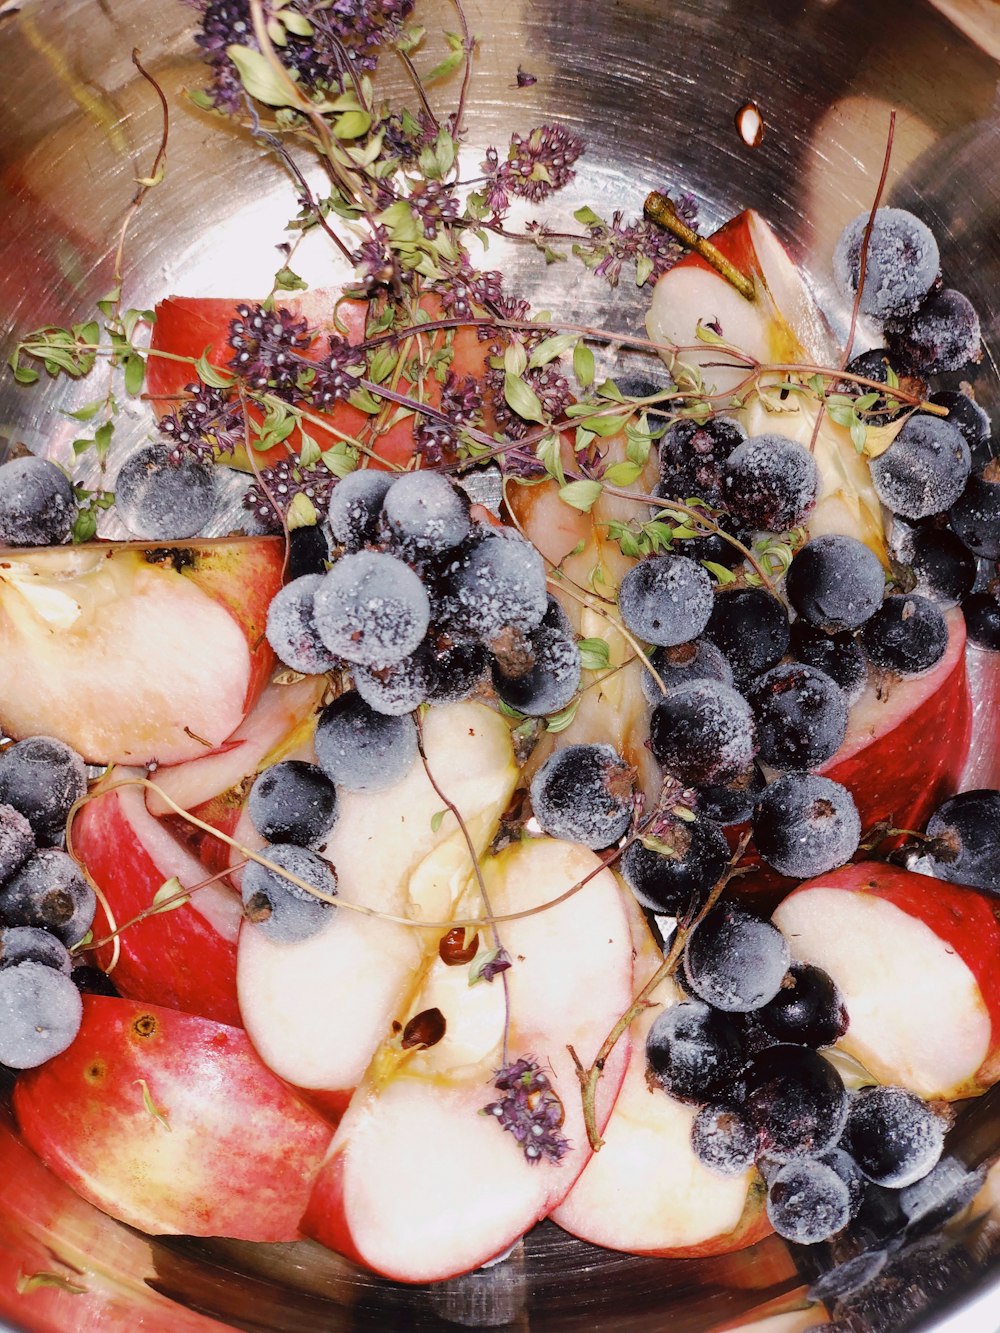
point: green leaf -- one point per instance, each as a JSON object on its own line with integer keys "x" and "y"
{"x": 383, "y": 363}
{"x": 706, "y": 335}
{"x": 258, "y": 77}
{"x": 508, "y": 711}
{"x": 722, "y": 575}
{"x": 437, "y": 819}
{"x": 169, "y": 895}
{"x": 102, "y": 437}
{"x": 365, "y": 401}
{"x": 657, "y": 845}
{"x": 301, "y": 512}
{"x": 81, "y": 447}
{"x": 135, "y": 374}
{"x": 549, "y": 348}
{"x": 643, "y": 269}
{"x": 340, "y": 459}
{"x": 207, "y": 373}
{"x": 604, "y": 425}
{"x": 859, "y": 433}
{"x": 352, "y": 124}
{"x": 583, "y": 365}
{"x": 309, "y": 452}
{"x": 560, "y": 721}
{"x": 150, "y": 1105}
{"x": 515, "y": 359}
{"x": 521, "y": 398}
{"x": 548, "y": 451}
{"x": 84, "y": 526}
{"x": 595, "y": 655}
{"x": 288, "y": 281}
{"x": 588, "y": 218}
{"x": 622, "y": 474}
{"x": 451, "y": 61}
{"x": 199, "y": 98}
{"x": 87, "y": 412}
{"x": 582, "y": 495}
{"x": 296, "y": 23}
{"x": 23, "y": 374}
{"x": 410, "y": 38}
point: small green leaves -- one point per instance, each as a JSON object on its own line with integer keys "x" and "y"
{"x": 722, "y": 575}
{"x": 170, "y": 895}
{"x": 549, "y": 348}
{"x": 84, "y": 527}
{"x": 259, "y": 77}
{"x": 451, "y": 61}
{"x": 437, "y": 819}
{"x": 301, "y": 512}
{"x": 288, "y": 281}
{"x": 207, "y": 373}
{"x": 583, "y": 365}
{"x": 151, "y": 1106}
{"x": 521, "y": 398}
{"x": 560, "y": 721}
{"x": 595, "y": 655}
{"x": 582, "y": 495}
{"x": 622, "y": 474}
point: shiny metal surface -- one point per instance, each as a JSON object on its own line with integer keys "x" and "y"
{"x": 653, "y": 86}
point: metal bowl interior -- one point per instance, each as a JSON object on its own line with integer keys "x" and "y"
{"x": 653, "y": 89}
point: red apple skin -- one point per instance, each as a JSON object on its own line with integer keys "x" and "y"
{"x": 46, "y": 1228}
{"x": 188, "y": 326}
{"x": 176, "y": 958}
{"x": 241, "y": 1151}
{"x": 965, "y": 919}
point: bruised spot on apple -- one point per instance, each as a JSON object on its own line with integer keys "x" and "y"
{"x": 389, "y": 1194}
{"x": 184, "y": 958}
{"x": 185, "y": 1132}
{"x": 918, "y": 963}
{"x": 129, "y": 658}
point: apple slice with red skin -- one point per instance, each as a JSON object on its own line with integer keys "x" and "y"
{"x": 184, "y": 958}
{"x": 644, "y": 1191}
{"x": 170, "y": 1123}
{"x": 66, "y": 1265}
{"x": 918, "y": 962}
{"x": 982, "y": 766}
{"x": 420, "y": 1185}
{"x": 317, "y": 1009}
{"x": 136, "y": 653}
{"x": 188, "y": 326}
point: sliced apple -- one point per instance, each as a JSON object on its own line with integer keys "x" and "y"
{"x": 135, "y": 654}
{"x": 420, "y": 1185}
{"x": 272, "y": 728}
{"x": 184, "y": 958}
{"x": 782, "y": 325}
{"x": 317, "y": 1009}
{"x": 644, "y": 1191}
{"x": 982, "y": 766}
{"x": 918, "y": 962}
{"x": 170, "y": 1123}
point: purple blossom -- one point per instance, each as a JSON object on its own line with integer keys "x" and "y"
{"x": 276, "y": 487}
{"x": 536, "y": 166}
{"x": 530, "y": 1109}
{"x": 435, "y": 205}
{"x": 210, "y": 422}
{"x": 337, "y": 374}
{"x": 374, "y": 259}
{"x": 268, "y": 347}
{"x": 551, "y": 387}
{"x": 615, "y": 244}
{"x": 462, "y": 402}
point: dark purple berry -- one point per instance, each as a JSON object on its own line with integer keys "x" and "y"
{"x": 966, "y": 846}
{"x": 457, "y": 672}
{"x": 162, "y": 499}
{"x": 901, "y": 264}
{"x": 42, "y": 777}
{"x": 583, "y": 793}
{"x": 907, "y": 634}
{"x": 750, "y": 626}
{"x": 371, "y": 609}
{"x": 423, "y": 515}
{"x": 982, "y": 619}
{"x": 805, "y": 825}
{"x": 308, "y": 551}
{"x": 694, "y": 1052}
{"x": 285, "y": 912}
{"x": 697, "y": 660}
{"x": 723, "y": 1139}
{"x": 965, "y": 413}
{"x": 91, "y": 980}
{"x": 807, "y": 1202}
{"x": 975, "y": 515}
{"x": 873, "y": 365}
{"x": 497, "y": 584}
{"x": 943, "y": 334}
{"x": 801, "y": 716}
{"x": 796, "y": 1101}
{"x": 733, "y": 802}
{"x": 692, "y": 457}
{"x": 291, "y": 628}
{"x": 838, "y": 655}
{"x": 355, "y": 505}
{"x": 40, "y": 1014}
{"x": 943, "y": 568}
{"x": 835, "y": 583}
{"x": 770, "y": 483}
{"x": 20, "y": 944}
{"x": 49, "y": 892}
{"x": 924, "y": 470}
{"x": 544, "y": 677}
{"x": 293, "y": 801}
{"x": 36, "y": 503}
{"x": 666, "y": 600}
{"x": 703, "y": 733}
{"x": 808, "y": 1009}
{"x": 893, "y": 1135}
{"x": 397, "y": 688}
{"x": 673, "y": 879}
{"x": 735, "y": 961}
{"x": 850, "y": 1173}
{"x": 17, "y": 841}
{"x": 361, "y": 750}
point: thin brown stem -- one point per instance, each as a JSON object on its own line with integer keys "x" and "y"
{"x": 154, "y": 909}
{"x": 590, "y": 1077}
{"x": 660, "y": 210}
{"x": 418, "y": 85}
{"x": 469, "y": 47}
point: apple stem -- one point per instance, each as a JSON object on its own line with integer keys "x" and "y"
{"x": 659, "y": 209}
{"x": 590, "y": 1078}
{"x": 422, "y": 751}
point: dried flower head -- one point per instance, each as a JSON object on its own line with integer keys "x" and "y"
{"x": 530, "y": 1109}
{"x": 209, "y": 423}
{"x": 268, "y": 348}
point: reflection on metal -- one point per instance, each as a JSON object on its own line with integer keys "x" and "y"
{"x": 651, "y": 86}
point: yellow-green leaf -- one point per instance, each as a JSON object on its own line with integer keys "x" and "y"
{"x": 261, "y": 80}
{"x": 581, "y": 495}
{"x": 151, "y": 1106}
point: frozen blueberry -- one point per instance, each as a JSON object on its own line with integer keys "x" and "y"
{"x": 423, "y": 514}
{"x": 695, "y": 1052}
{"x": 457, "y": 671}
{"x": 42, "y": 777}
{"x": 735, "y": 961}
{"x": 943, "y": 334}
{"x": 497, "y": 584}
{"x": 732, "y": 802}
{"x": 36, "y": 503}
{"x": 750, "y": 626}
{"x": 544, "y": 677}
{"x": 161, "y": 499}
{"x": 703, "y": 733}
{"x": 975, "y": 515}
{"x": 982, "y": 619}
{"x": 17, "y": 841}
{"x": 807, "y": 1202}
{"x": 805, "y": 825}
{"x": 924, "y": 470}
{"x": 835, "y": 582}
{"x": 293, "y": 801}
{"x": 49, "y": 892}
{"x": 666, "y": 600}
{"x": 697, "y": 660}
{"x": 355, "y": 505}
{"x": 291, "y": 628}
{"x": 723, "y": 1139}
{"x": 20, "y": 944}
{"x": 801, "y": 716}
{"x": 965, "y": 413}
{"x": 693, "y": 455}
{"x": 966, "y": 833}
{"x": 901, "y": 264}
{"x": 908, "y": 634}
{"x": 770, "y": 483}
{"x": 808, "y": 1008}
{"x": 942, "y": 565}
{"x": 397, "y": 688}
{"x": 40, "y": 1014}
{"x": 838, "y": 655}
{"x": 371, "y": 609}
{"x": 283, "y": 910}
{"x": 362, "y": 750}
{"x": 893, "y": 1135}
{"x": 583, "y": 793}
{"x": 673, "y": 877}
{"x": 796, "y": 1101}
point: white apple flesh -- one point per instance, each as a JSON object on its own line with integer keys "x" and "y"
{"x": 420, "y": 1185}
{"x": 317, "y": 1009}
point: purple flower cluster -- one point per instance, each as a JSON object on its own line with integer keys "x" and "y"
{"x": 536, "y": 166}
{"x": 462, "y": 403}
{"x": 530, "y": 1109}
{"x": 435, "y": 205}
{"x": 267, "y": 348}
{"x": 549, "y": 385}
{"x": 337, "y": 374}
{"x": 620, "y": 242}
{"x": 210, "y": 422}
{"x": 276, "y": 487}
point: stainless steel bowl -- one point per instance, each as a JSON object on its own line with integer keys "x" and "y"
{"x": 653, "y": 88}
